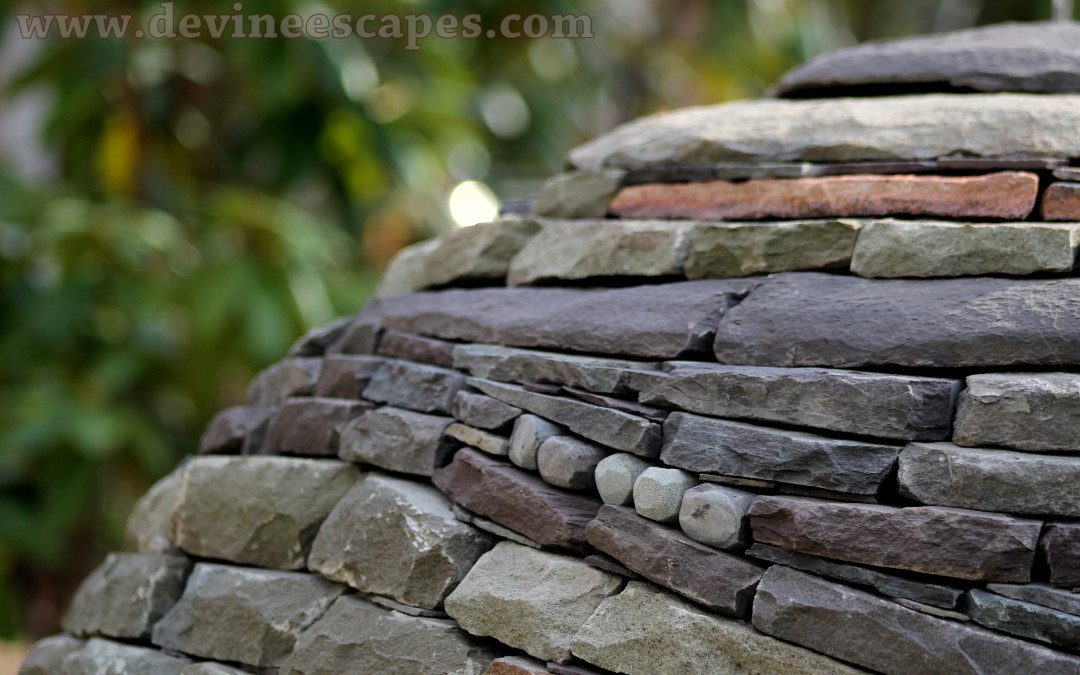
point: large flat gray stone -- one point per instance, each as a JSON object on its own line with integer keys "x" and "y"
{"x": 46, "y": 655}
{"x": 398, "y": 440}
{"x": 527, "y": 366}
{"x": 1036, "y": 412}
{"x": 483, "y": 412}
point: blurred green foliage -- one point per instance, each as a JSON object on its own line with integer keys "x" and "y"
{"x": 211, "y": 199}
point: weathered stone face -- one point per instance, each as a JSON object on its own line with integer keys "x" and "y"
{"x": 719, "y": 250}
{"x": 311, "y": 426}
{"x": 615, "y": 476}
{"x": 226, "y": 432}
{"x": 407, "y": 271}
{"x": 346, "y": 375}
{"x": 397, "y": 440}
{"x": 361, "y": 336}
{"x": 257, "y": 510}
{"x": 486, "y": 441}
{"x": 1037, "y": 412}
{"x": 396, "y": 538}
{"x": 716, "y": 515}
{"x": 658, "y": 493}
{"x": 245, "y": 615}
{"x": 356, "y": 637}
{"x": 105, "y": 656}
{"x": 316, "y": 341}
{"x": 567, "y": 462}
{"x": 516, "y": 665}
{"x": 481, "y": 251}
{"x": 46, "y": 655}
{"x": 291, "y": 377}
{"x": 532, "y": 600}
{"x": 529, "y": 434}
{"x": 483, "y": 412}
{"x": 1060, "y": 549}
{"x": 415, "y": 386}
{"x": 397, "y": 344}
{"x": 506, "y": 364}
{"x": 1061, "y": 201}
{"x": 578, "y": 194}
{"x": 150, "y": 525}
{"x": 1024, "y": 619}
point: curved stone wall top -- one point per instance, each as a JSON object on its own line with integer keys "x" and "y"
{"x": 1018, "y": 57}
{"x": 843, "y": 130}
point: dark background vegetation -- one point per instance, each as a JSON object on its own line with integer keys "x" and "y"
{"x": 174, "y": 213}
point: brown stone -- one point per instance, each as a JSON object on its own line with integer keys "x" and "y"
{"x": 1061, "y": 201}
{"x": 933, "y": 540}
{"x": 1060, "y": 550}
{"x": 517, "y": 500}
{"x": 226, "y": 432}
{"x": 417, "y": 348}
{"x": 346, "y": 375}
{"x": 311, "y": 426}
{"x": 1005, "y": 195}
{"x": 718, "y": 580}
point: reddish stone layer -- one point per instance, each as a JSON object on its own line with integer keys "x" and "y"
{"x": 1061, "y": 201}
{"x": 1007, "y": 195}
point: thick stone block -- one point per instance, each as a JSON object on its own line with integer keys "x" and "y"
{"x": 407, "y": 271}
{"x": 415, "y": 386}
{"x": 1059, "y": 548}
{"x": 933, "y": 540}
{"x": 1024, "y": 619}
{"x": 719, "y": 250}
{"x": 568, "y": 462}
{"x": 346, "y": 375}
{"x": 483, "y": 412}
{"x": 1036, "y": 412}
{"x": 528, "y": 435}
{"x": 225, "y": 434}
{"x": 578, "y": 194}
{"x": 1061, "y": 201}
{"x": 398, "y": 440}
{"x": 716, "y": 515}
{"x": 399, "y": 345}
{"x": 479, "y": 252}
{"x": 526, "y": 366}
{"x": 150, "y": 525}
{"x": 311, "y": 426}
{"x": 294, "y": 376}
{"x": 99, "y": 656}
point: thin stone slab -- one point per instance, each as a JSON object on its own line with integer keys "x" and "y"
{"x": 1059, "y": 548}
{"x": 1068, "y": 173}
{"x": 99, "y": 656}
{"x": 907, "y": 407}
{"x": 616, "y": 475}
{"x": 396, "y": 538}
{"x": 811, "y": 319}
{"x": 578, "y": 194}
{"x": 396, "y": 344}
{"x": 526, "y": 366}
{"x": 483, "y": 412}
{"x": 294, "y": 376}
{"x": 664, "y": 321}
{"x": 1030, "y": 57}
{"x": 603, "y": 562}
{"x": 528, "y": 599}
{"x": 708, "y": 445}
{"x": 46, "y": 655}
{"x": 931, "y": 540}
{"x": 355, "y": 636}
{"x": 517, "y": 500}
{"x": 1035, "y": 412}
{"x": 883, "y": 636}
{"x": 398, "y": 440}
{"x": 126, "y": 595}
{"x": 631, "y": 407}
{"x": 716, "y": 515}
{"x": 644, "y": 630}
{"x": 257, "y": 510}
{"x": 944, "y": 474}
{"x": 612, "y": 428}
{"x": 568, "y": 462}
{"x": 245, "y": 615}
{"x": 311, "y": 426}
{"x": 842, "y": 130}
{"x": 898, "y": 248}
{"x": 926, "y": 593}
{"x": 658, "y": 493}
{"x": 492, "y": 444}
{"x": 571, "y": 250}
{"x": 1040, "y": 594}
{"x": 407, "y": 271}
{"x": 720, "y": 581}
{"x": 719, "y": 250}
{"x": 998, "y": 196}
{"x": 225, "y": 434}
{"x": 346, "y": 375}
{"x": 415, "y": 386}
{"x": 528, "y": 435}
{"x": 479, "y": 252}
{"x": 150, "y": 525}
{"x": 387, "y": 603}
{"x": 1024, "y": 619}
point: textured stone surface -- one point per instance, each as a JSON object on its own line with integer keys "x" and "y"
{"x": 398, "y": 440}
{"x": 615, "y": 476}
{"x": 720, "y": 250}
{"x": 931, "y": 594}
{"x": 99, "y": 656}
{"x": 516, "y": 665}
{"x": 361, "y": 336}
{"x": 490, "y": 443}
{"x": 346, "y": 375}
{"x": 517, "y": 500}
{"x": 478, "y": 252}
{"x": 872, "y": 404}
{"x": 505, "y": 364}
{"x": 1059, "y": 547}
{"x": 396, "y": 538}
{"x": 45, "y": 655}
{"x": 1068, "y": 173}
{"x": 241, "y": 614}
{"x": 1038, "y": 412}
{"x": 990, "y": 480}
{"x": 257, "y": 510}
{"x": 1024, "y": 619}
{"x": 568, "y": 462}
{"x": 354, "y": 636}
{"x": 528, "y": 435}
{"x": 578, "y": 194}
{"x": 662, "y": 321}
{"x": 843, "y": 130}
{"x": 718, "y": 580}
{"x": 608, "y": 427}
{"x": 401, "y": 345}
{"x": 415, "y": 386}
{"x": 150, "y": 525}
{"x": 1040, "y": 594}
{"x": 407, "y": 271}
{"x": 1004, "y": 195}
{"x": 897, "y": 248}
{"x": 644, "y": 630}
{"x": 532, "y": 600}
{"x": 709, "y": 445}
{"x": 933, "y": 540}
{"x": 483, "y": 412}
{"x": 316, "y": 341}
{"x": 311, "y": 426}
{"x": 716, "y": 515}
{"x": 126, "y": 595}
{"x": 881, "y": 635}
{"x": 810, "y": 319}
{"x": 574, "y": 250}
{"x": 1061, "y": 201}
{"x": 226, "y": 432}
{"x": 291, "y": 377}
{"x": 658, "y": 493}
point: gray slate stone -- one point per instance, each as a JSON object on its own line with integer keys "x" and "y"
{"x": 944, "y": 474}
{"x": 1036, "y": 412}
{"x": 482, "y": 251}
{"x": 295, "y": 376}
{"x": 257, "y": 510}
{"x": 1031, "y": 57}
{"x": 608, "y": 427}
{"x": 528, "y": 435}
{"x": 658, "y": 493}
{"x": 526, "y": 366}
{"x": 567, "y": 462}
{"x": 812, "y": 319}
{"x": 719, "y": 250}
{"x": 150, "y": 525}
{"x": 644, "y": 630}
{"x": 486, "y": 441}
{"x": 883, "y": 636}
{"x": 1059, "y": 548}
{"x": 398, "y": 440}
{"x": 663, "y": 321}
{"x": 311, "y": 426}
{"x": 483, "y": 412}
{"x": 346, "y": 375}
{"x": 396, "y": 538}
{"x": 716, "y": 515}
{"x": 100, "y": 656}
{"x": 407, "y": 271}
{"x": 532, "y": 600}
{"x": 361, "y": 336}
{"x": 703, "y": 444}
{"x": 1040, "y": 594}
{"x": 399, "y": 345}
{"x": 46, "y": 655}
{"x": 616, "y": 475}
{"x": 415, "y": 386}
{"x": 225, "y": 433}
{"x": 317, "y": 340}
{"x": 126, "y": 595}
{"x": 358, "y": 638}
{"x": 906, "y": 407}
{"x": 1024, "y": 619}
{"x": 578, "y": 194}
{"x": 241, "y": 614}
{"x": 898, "y": 248}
